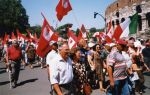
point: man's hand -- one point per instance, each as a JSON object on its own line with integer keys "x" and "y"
{"x": 7, "y": 64}
{"x": 57, "y": 89}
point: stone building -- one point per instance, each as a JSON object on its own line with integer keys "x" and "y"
{"x": 119, "y": 10}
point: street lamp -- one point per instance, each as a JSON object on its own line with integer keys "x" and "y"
{"x": 95, "y": 14}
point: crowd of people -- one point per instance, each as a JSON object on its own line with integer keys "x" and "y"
{"x": 91, "y": 63}
{"x": 16, "y": 54}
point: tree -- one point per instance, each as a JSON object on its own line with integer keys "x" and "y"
{"x": 62, "y": 30}
{"x": 93, "y": 30}
{"x": 12, "y": 16}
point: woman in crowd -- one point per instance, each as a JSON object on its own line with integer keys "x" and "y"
{"x": 79, "y": 71}
{"x": 98, "y": 65}
{"x": 30, "y": 55}
{"x": 138, "y": 77}
{"x": 138, "y": 67}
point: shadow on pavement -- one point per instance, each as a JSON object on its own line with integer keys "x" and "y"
{"x": 3, "y": 83}
{"x": 2, "y": 67}
{"x": 37, "y": 66}
{"x": 2, "y": 71}
{"x": 27, "y": 81}
{"x": 146, "y": 87}
{"x": 147, "y": 73}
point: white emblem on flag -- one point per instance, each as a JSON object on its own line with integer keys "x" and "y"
{"x": 71, "y": 42}
{"x": 47, "y": 33}
{"x": 65, "y": 3}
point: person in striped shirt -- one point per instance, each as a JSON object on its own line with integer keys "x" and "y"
{"x": 116, "y": 67}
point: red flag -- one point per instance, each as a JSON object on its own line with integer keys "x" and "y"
{"x": 13, "y": 37}
{"x": 54, "y": 37}
{"x": 72, "y": 39}
{"x": 5, "y": 39}
{"x": 35, "y": 37}
{"x": 45, "y": 37}
{"x": 109, "y": 35}
{"x": 82, "y": 33}
{"x": 100, "y": 36}
{"x": 21, "y": 36}
{"x": 121, "y": 28}
{"x": 30, "y": 36}
{"x": 63, "y": 8}
{"x": 118, "y": 31}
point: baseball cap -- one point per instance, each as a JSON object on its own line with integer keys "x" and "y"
{"x": 121, "y": 42}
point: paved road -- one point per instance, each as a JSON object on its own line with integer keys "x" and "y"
{"x": 34, "y": 82}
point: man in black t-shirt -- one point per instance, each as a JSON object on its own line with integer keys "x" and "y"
{"x": 146, "y": 53}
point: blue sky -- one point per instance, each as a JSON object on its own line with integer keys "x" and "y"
{"x": 82, "y": 13}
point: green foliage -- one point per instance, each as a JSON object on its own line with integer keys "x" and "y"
{"x": 62, "y": 30}
{"x": 36, "y": 29}
{"x": 100, "y": 30}
{"x": 12, "y": 16}
{"x": 93, "y": 30}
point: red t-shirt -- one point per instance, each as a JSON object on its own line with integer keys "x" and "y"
{"x": 14, "y": 53}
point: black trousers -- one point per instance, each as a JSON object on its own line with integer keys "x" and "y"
{"x": 15, "y": 69}
{"x": 67, "y": 89}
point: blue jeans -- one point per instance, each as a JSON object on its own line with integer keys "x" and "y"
{"x": 120, "y": 88}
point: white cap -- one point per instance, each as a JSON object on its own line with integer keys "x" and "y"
{"x": 91, "y": 44}
{"x": 137, "y": 44}
{"x": 52, "y": 42}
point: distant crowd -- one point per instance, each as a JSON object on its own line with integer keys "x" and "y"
{"x": 115, "y": 68}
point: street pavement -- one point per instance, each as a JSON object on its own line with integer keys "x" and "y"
{"x": 34, "y": 82}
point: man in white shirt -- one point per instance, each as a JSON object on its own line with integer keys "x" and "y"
{"x": 61, "y": 72}
{"x": 52, "y": 54}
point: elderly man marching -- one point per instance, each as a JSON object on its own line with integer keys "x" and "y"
{"x": 14, "y": 60}
{"x": 61, "y": 72}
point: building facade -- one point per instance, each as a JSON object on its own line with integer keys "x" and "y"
{"x": 119, "y": 10}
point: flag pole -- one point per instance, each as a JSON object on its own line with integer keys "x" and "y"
{"x": 43, "y": 15}
{"x": 45, "y": 19}
{"x": 75, "y": 18}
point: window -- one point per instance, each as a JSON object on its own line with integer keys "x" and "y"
{"x": 148, "y": 18}
{"x": 140, "y": 22}
{"x": 117, "y": 21}
{"x": 122, "y": 20}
